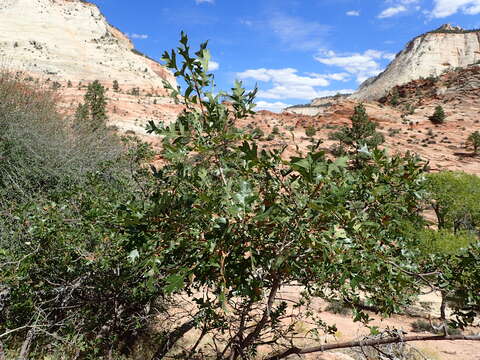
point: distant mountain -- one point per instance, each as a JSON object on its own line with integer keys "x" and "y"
{"x": 430, "y": 54}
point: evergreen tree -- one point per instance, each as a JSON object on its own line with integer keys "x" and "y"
{"x": 438, "y": 116}
{"x": 474, "y": 141}
{"x": 96, "y": 103}
{"x": 116, "y": 87}
{"x": 82, "y": 114}
{"x": 361, "y": 133}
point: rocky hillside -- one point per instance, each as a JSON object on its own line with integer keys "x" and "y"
{"x": 317, "y": 106}
{"x": 69, "y": 43}
{"x": 402, "y": 116}
{"x": 71, "y": 40}
{"x": 430, "y": 54}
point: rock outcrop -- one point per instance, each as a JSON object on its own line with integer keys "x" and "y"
{"x": 430, "y": 54}
{"x": 70, "y": 40}
{"x": 317, "y": 106}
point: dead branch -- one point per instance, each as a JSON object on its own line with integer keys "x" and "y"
{"x": 370, "y": 342}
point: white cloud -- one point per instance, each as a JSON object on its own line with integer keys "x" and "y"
{"x": 204, "y": 1}
{"x": 137, "y": 36}
{"x": 353, "y": 13}
{"x": 298, "y": 33}
{"x": 287, "y": 84}
{"x": 213, "y": 65}
{"x": 360, "y": 65}
{"x": 271, "y": 106}
{"x": 392, "y": 11}
{"x": 444, "y": 8}
{"x": 398, "y": 7}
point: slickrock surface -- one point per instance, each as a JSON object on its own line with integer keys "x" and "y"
{"x": 406, "y": 126}
{"x": 69, "y": 43}
{"x": 73, "y": 41}
{"x": 430, "y": 54}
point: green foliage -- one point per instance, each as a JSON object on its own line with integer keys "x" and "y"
{"x": 361, "y": 134}
{"x": 82, "y": 113}
{"x": 89, "y": 265}
{"x": 438, "y": 116}
{"x": 420, "y": 325}
{"x": 474, "y": 141}
{"x": 135, "y": 91}
{"x": 70, "y": 200}
{"x": 40, "y": 151}
{"x": 242, "y": 222}
{"x": 93, "y": 112}
{"x": 395, "y": 97}
{"x": 338, "y": 307}
{"x": 455, "y": 198}
{"x": 310, "y": 131}
{"x": 444, "y": 241}
{"x": 96, "y": 102}
{"x": 115, "y": 86}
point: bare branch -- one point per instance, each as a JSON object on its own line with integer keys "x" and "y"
{"x": 370, "y": 342}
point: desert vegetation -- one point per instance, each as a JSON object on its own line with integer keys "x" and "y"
{"x": 105, "y": 257}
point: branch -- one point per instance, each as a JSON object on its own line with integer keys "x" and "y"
{"x": 371, "y": 342}
{"x": 2, "y": 352}
{"x": 265, "y": 317}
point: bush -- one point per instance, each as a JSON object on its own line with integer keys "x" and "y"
{"x": 454, "y": 197}
{"x": 474, "y": 141}
{"x": 362, "y": 131}
{"x": 41, "y": 151}
{"x": 310, "y": 131}
{"x": 68, "y": 200}
{"x": 438, "y": 116}
{"x": 421, "y": 326}
{"x": 338, "y": 307}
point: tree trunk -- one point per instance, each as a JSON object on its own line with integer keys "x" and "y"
{"x": 2, "y": 352}
{"x": 443, "y": 306}
{"x": 26, "y": 345}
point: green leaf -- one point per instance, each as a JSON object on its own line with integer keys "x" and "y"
{"x": 174, "y": 283}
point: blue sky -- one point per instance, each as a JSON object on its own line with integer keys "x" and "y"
{"x": 294, "y": 50}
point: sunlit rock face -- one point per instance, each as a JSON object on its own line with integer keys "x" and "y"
{"x": 430, "y": 54}
{"x": 71, "y": 40}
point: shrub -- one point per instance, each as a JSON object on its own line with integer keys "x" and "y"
{"x": 68, "y": 199}
{"x": 41, "y": 151}
{"x": 438, "y": 116}
{"x": 421, "y": 326}
{"x": 310, "y": 131}
{"x": 474, "y": 141}
{"x": 338, "y": 307}
{"x": 454, "y": 197}
{"x": 243, "y": 222}
{"x": 360, "y": 137}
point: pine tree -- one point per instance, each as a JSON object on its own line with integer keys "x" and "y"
{"x": 82, "y": 114}
{"x": 116, "y": 87}
{"x": 474, "y": 141}
{"x": 96, "y": 103}
{"x": 438, "y": 116}
{"x": 361, "y": 133}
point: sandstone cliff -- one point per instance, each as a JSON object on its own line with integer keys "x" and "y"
{"x": 71, "y": 40}
{"x": 430, "y": 54}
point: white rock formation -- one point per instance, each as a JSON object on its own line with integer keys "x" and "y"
{"x": 427, "y": 55}
{"x": 72, "y": 40}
